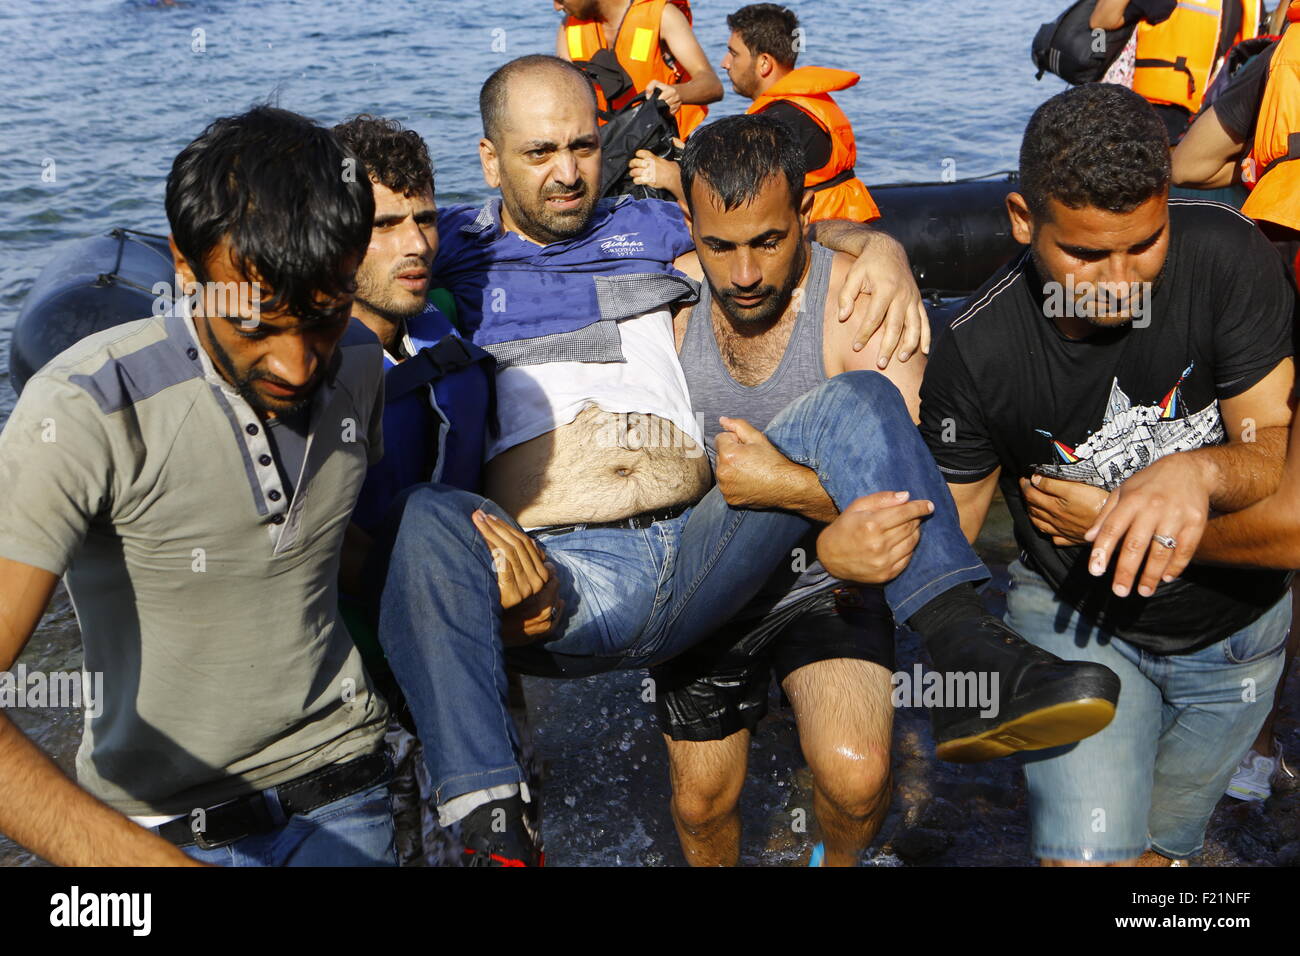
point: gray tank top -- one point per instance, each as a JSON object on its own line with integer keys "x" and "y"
{"x": 714, "y": 392}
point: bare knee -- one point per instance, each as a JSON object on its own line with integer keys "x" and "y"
{"x": 707, "y": 779}
{"x": 854, "y": 780}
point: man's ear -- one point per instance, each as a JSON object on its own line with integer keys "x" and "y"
{"x": 805, "y": 208}
{"x": 487, "y": 157}
{"x": 1022, "y": 220}
{"x": 764, "y": 65}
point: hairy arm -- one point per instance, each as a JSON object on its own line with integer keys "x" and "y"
{"x": 883, "y": 275}
{"x": 1267, "y": 533}
{"x": 40, "y": 807}
{"x": 1208, "y": 156}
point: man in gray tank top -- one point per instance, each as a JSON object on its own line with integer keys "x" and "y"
{"x": 764, "y": 332}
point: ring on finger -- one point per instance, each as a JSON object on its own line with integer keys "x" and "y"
{"x": 1164, "y": 541}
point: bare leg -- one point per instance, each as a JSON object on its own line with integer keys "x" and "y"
{"x": 845, "y": 722}
{"x": 707, "y": 777}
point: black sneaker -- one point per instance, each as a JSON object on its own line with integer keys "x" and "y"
{"x": 494, "y": 834}
{"x": 1041, "y": 700}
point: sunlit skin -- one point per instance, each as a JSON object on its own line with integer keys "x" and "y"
{"x": 743, "y": 67}
{"x": 547, "y": 164}
{"x": 393, "y": 279}
{"x": 275, "y": 362}
{"x": 754, "y": 256}
{"x": 1109, "y": 251}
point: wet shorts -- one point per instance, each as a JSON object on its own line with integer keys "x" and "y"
{"x": 720, "y": 685}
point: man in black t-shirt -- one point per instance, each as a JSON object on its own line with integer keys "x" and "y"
{"x": 1140, "y": 348}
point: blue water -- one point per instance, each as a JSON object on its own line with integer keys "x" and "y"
{"x": 110, "y": 90}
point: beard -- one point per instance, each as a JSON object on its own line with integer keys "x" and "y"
{"x": 541, "y": 223}
{"x": 385, "y": 298}
{"x": 243, "y": 383}
{"x": 773, "y": 306}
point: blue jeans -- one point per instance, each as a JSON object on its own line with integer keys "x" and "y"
{"x": 1152, "y": 777}
{"x": 634, "y": 597}
{"x": 356, "y": 830}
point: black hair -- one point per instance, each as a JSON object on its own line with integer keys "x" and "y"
{"x": 1097, "y": 145}
{"x": 275, "y": 185}
{"x": 393, "y": 155}
{"x": 737, "y": 156}
{"x": 492, "y": 96}
{"x": 767, "y": 28}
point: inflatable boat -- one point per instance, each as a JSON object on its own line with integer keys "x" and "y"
{"x": 956, "y": 235}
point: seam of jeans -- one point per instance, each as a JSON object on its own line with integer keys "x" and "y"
{"x": 704, "y": 570}
{"x": 931, "y": 584}
{"x": 444, "y": 784}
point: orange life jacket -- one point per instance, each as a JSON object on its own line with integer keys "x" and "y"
{"x": 1177, "y": 59}
{"x": 837, "y": 192}
{"x": 1275, "y": 196}
{"x": 639, "y": 52}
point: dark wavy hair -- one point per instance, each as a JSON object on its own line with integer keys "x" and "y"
{"x": 767, "y": 28}
{"x": 393, "y": 155}
{"x": 736, "y": 156}
{"x": 1096, "y": 145}
{"x": 273, "y": 184}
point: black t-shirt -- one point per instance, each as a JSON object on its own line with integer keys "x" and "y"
{"x": 1005, "y": 388}
{"x": 1238, "y": 106}
{"x": 816, "y": 141}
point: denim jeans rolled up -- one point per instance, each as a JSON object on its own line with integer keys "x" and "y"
{"x": 635, "y": 597}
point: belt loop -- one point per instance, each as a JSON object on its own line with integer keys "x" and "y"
{"x": 271, "y": 797}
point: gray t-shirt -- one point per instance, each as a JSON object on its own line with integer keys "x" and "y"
{"x": 206, "y": 594}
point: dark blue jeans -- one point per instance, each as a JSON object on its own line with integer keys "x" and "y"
{"x": 635, "y": 597}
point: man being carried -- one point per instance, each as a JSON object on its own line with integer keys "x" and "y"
{"x": 192, "y": 478}
{"x": 1140, "y": 347}
{"x": 601, "y": 456}
{"x": 831, "y": 647}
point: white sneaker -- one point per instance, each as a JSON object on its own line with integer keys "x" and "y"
{"x": 1254, "y": 777}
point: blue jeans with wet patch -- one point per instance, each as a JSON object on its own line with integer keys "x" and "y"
{"x": 1183, "y": 722}
{"x": 634, "y": 597}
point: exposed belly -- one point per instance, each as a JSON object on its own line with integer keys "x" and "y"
{"x": 599, "y": 467}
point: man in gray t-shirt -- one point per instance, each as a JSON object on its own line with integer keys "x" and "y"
{"x": 202, "y": 553}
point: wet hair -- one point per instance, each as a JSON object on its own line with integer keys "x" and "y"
{"x": 393, "y": 155}
{"x": 1098, "y": 145}
{"x": 767, "y": 28}
{"x": 737, "y": 156}
{"x": 273, "y": 184}
{"x": 492, "y": 97}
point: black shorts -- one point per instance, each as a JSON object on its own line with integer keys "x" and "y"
{"x": 720, "y": 686}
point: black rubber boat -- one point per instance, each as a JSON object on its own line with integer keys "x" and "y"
{"x": 956, "y": 235}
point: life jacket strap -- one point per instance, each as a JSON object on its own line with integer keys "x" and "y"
{"x": 1292, "y": 152}
{"x": 432, "y": 363}
{"x": 840, "y": 177}
{"x": 1179, "y": 65}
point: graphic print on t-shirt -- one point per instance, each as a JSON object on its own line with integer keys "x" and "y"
{"x": 1133, "y": 436}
